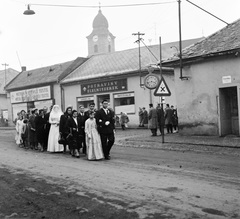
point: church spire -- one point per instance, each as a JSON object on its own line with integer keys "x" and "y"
{"x": 100, "y": 40}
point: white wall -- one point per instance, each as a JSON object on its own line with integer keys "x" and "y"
{"x": 197, "y": 97}
{"x": 70, "y": 95}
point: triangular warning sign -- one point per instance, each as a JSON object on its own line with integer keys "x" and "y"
{"x": 162, "y": 89}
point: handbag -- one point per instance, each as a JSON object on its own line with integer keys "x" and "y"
{"x": 61, "y": 139}
{"x": 69, "y": 136}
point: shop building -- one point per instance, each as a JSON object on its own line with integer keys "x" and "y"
{"x": 209, "y": 101}
{"x": 37, "y": 88}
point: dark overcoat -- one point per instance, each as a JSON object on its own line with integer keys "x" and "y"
{"x": 152, "y": 119}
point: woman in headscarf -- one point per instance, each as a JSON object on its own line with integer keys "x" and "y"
{"x": 63, "y": 128}
{"x": 54, "y": 120}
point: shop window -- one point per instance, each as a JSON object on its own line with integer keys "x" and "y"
{"x": 16, "y": 108}
{"x": 100, "y": 98}
{"x": 124, "y": 102}
{"x": 84, "y": 101}
{"x": 44, "y": 103}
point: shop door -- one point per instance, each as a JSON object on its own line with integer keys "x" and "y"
{"x": 100, "y": 98}
{"x": 228, "y": 110}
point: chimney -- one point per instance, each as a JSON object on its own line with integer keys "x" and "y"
{"x": 24, "y": 68}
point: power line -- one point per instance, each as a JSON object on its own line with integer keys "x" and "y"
{"x": 149, "y": 50}
{"x": 105, "y": 6}
{"x": 207, "y": 12}
{"x": 139, "y": 54}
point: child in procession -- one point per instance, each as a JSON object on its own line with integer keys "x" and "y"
{"x": 93, "y": 140}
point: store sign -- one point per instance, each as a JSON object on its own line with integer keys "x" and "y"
{"x": 123, "y": 95}
{"x": 104, "y": 87}
{"x": 80, "y": 99}
{"x": 35, "y": 94}
{"x": 226, "y": 79}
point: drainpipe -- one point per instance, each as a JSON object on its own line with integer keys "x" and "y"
{"x": 180, "y": 39}
{"x": 180, "y": 43}
{"x": 62, "y": 97}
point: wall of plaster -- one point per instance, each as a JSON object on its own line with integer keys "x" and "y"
{"x": 70, "y": 95}
{"x": 197, "y": 97}
{"x": 57, "y": 94}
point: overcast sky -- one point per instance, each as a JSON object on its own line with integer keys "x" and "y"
{"x": 58, "y": 34}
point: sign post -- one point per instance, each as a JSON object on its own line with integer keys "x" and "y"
{"x": 162, "y": 90}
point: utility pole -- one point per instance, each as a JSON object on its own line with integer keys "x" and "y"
{"x": 160, "y": 68}
{"x": 180, "y": 38}
{"x": 139, "y": 53}
{"x": 5, "y": 75}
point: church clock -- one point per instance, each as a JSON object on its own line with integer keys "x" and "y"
{"x": 95, "y": 38}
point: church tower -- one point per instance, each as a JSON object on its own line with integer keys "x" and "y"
{"x": 100, "y": 40}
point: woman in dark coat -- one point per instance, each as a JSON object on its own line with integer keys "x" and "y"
{"x": 40, "y": 123}
{"x": 63, "y": 128}
{"x": 32, "y": 130}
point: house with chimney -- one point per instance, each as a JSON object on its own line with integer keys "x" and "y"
{"x": 208, "y": 100}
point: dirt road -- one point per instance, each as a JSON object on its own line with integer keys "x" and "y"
{"x": 135, "y": 183}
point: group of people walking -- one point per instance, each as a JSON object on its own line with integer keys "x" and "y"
{"x": 159, "y": 118}
{"x": 91, "y": 131}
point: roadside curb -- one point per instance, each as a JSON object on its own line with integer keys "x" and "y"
{"x": 181, "y": 141}
{"x": 7, "y": 128}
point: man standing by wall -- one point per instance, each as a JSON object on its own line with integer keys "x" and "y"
{"x": 106, "y": 127}
{"x": 161, "y": 118}
{"x": 152, "y": 120}
{"x": 168, "y": 117}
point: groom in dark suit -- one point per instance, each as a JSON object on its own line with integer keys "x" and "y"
{"x": 106, "y": 127}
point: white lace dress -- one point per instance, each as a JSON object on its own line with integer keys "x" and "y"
{"x": 53, "y": 145}
{"x": 93, "y": 141}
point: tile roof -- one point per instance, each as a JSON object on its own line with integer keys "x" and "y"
{"x": 44, "y": 75}
{"x": 222, "y": 41}
{"x": 121, "y": 62}
{"x": 10, "y": 74}
{"x": 75, "y": 64}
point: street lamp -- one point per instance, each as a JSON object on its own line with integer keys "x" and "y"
{"x": 29, "y": 11}
{"x": 174, "y": 47}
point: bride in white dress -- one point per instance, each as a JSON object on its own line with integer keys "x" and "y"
{"x": 54, "y": 119}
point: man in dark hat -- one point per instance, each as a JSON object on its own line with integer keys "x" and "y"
{"x": 152, "y": 120}
{"x": 32, "y": 137}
